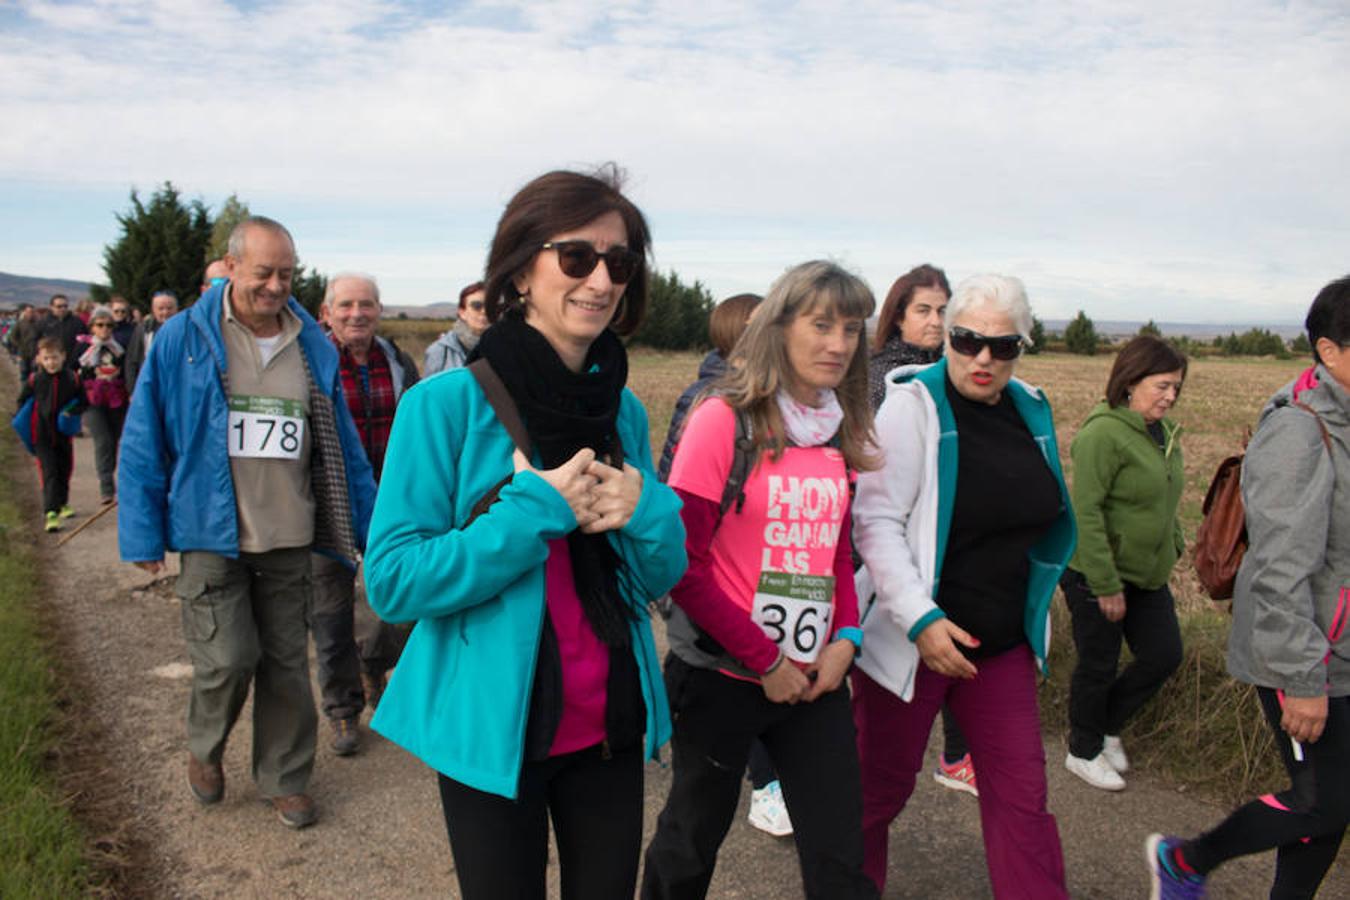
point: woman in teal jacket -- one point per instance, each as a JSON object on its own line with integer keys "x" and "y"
{"x": 531, "y": 676}
{"x": 1127, "y": 481}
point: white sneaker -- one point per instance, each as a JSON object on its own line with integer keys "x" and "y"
{"x": 768, "y": 813}
{"x": 1114, "y": 752}
{"x": 1096, "y": 772}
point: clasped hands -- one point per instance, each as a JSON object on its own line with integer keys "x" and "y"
{"x": 601, "y": 496}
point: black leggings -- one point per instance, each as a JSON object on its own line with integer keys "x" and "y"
{"x": 814, "y": 749}
{"x": 501, "y": 845}
{"x": 1306, "y": 821}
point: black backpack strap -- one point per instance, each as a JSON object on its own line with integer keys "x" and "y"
{"x": 742, "y": 460}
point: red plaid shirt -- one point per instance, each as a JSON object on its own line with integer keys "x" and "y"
{"x": 369, "y": 390}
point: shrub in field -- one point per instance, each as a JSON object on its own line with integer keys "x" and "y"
{"x": 1150, "y": 329}
{"x": 1081, "y": 335}
{"x": 677, "y": 314}
{"x": 1037, "y": 336}
{"x": 1255, "y": 342}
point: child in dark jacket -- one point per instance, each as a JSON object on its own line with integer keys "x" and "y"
{"x": 55, "y": 389}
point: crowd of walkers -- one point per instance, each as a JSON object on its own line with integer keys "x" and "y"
{"x": 845, "y": 536}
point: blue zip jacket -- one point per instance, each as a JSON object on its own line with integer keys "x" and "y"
{"x": 460, "y": 695}
{"x": 174, "y": 488}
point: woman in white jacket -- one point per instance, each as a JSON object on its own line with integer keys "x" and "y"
{"x": 964, "y": 533}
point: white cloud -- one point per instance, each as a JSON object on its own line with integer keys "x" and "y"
{"x": 1092, "y": 142}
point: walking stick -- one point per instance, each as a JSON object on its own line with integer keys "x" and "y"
{"x": 89, "y": 521}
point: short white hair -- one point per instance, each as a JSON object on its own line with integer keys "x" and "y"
{"x": 350, "y": 276}
{"x": 1001, "y": 292}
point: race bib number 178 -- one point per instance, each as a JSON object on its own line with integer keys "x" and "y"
{"x": 795, "y": 611}
{"x": 266, "y": 427}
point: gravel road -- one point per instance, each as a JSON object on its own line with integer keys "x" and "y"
{"x": 380, "y": 832}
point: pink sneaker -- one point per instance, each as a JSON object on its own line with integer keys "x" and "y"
{"x": 959, "y": 776}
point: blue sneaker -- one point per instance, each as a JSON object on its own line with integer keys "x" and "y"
{"x": 1166, "y": 882}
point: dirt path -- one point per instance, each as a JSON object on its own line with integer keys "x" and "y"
{"x": 380, "y": 833}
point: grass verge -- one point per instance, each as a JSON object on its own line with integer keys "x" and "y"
{"x": 42, "y": 848}
{"x": 1204, "y": 731}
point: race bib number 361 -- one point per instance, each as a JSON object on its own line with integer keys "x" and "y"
{"x": 795, "y": 611}
{"x": 266, "y": 427}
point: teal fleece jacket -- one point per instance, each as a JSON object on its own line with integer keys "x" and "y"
{"x": 1125, "y": 495}
{"x": 459, "y": 697}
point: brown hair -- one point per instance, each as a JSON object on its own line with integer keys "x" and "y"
{"x": 467, "y": 291}
{"x": 898, "y": 297}
{"x": 554, "y": 203}
{"x": 51, "y": 343}
{"x": 728, "y": 321}
{"x": 1141, "y": 357}
{"x": 759, "y": 365}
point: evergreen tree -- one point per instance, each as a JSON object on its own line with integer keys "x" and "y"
{"x": 1081, "y": 335}
{"x": 308, "y": 288}
{"x": 1300, "y": 345}
{"x": 1037, "y": 336}
{"x": 1151, "y": 329}
{"x": 162, "y": 247}
{"x": 232, "y": 212}
{"x": 677, "y": 314}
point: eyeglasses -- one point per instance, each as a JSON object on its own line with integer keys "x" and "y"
{"x": 970, "y": 343}
{"x": 100, "y": 324}
{"x": 578, "y": 259}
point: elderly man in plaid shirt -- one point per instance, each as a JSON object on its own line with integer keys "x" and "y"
{"x": 355, "y": 650}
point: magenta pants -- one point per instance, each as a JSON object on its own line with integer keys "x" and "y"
{"x": 998, "y": 713}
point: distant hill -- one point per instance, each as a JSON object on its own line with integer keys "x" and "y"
{"x": 1199, "y": 331}
{"x": 16, "y": 289}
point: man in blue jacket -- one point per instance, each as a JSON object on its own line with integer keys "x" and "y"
{"x": 240, "y": 454}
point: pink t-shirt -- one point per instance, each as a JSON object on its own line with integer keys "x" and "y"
{"x": 585, "y": 658}
{"x": 794, "y": 507}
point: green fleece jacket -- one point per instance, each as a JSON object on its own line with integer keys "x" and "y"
{"x": 1125, "y": 494}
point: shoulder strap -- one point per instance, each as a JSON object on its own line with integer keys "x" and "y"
{"x": 499, "y": 398}
{"x": 1326, "y": 437}
{"x": 742, "y": 457}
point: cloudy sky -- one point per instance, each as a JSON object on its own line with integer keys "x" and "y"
{"x": 1180, "y": 161}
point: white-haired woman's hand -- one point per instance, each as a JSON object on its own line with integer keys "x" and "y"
{"x": 937, "y": 645}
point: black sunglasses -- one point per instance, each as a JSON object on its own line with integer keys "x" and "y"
{"x": 970, "y": 343}
{"x": 578, "y": 259}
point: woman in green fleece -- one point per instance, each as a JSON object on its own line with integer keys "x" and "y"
{"x": 1127, "y": 481}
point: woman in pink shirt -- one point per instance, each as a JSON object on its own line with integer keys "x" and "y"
{"x": 766, "y": 618}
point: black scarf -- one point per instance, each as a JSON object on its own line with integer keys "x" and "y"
{"x": 564, "y": 411}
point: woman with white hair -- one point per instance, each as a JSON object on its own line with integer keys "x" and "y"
{"x": 964, "y": 532}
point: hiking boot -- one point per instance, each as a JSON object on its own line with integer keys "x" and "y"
{"x": 768, "y": 812}
{"x": 67, "y": 513}
{"x": 295, "y": 810}
{"x": 346, "y": 737}
{"x": 53, "y": 522}
{"x": 207, "y": 780}
{"x": 1096, "y": 772}
{"x": 1114, "y": 752}
{"x": 374, "y": 687}
{"x": 959, "y": 775}
{"x": 1167, "y": 878}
